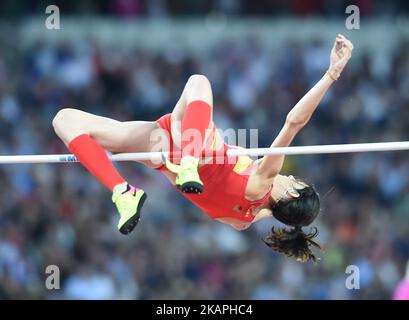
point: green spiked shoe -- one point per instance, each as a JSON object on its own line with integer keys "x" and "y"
{"x": 187, "y": 179}
{"x": 128, "y": 201}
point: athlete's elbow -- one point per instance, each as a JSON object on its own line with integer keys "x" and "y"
{"x": 296, "y": 122}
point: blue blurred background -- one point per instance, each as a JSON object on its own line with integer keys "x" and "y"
{"x": 129, "y": 59}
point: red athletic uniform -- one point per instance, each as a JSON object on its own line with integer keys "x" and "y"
{"x": 224, "y": 184}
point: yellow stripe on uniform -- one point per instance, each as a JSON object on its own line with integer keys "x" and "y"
{"x": 242, "y": 164}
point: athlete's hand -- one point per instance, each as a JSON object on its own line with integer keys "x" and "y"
{"x": 340, "y": 54}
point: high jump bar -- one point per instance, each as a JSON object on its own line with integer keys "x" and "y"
{"x": 252, "y": 152}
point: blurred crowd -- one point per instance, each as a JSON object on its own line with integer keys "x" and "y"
{"x": 58, "y": 214}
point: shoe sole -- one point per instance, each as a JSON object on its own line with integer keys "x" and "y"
{"x": 133, "y": 221}
{"x": 191, "y": 187}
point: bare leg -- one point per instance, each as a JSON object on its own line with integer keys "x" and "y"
{"x": 197, "y": 88}
{"x": 191, "y": 126}
{"x": 88, "y": 136}
{"x": 113, "y": 136}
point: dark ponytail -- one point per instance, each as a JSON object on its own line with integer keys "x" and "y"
{"x": 293, "y": 243}
{"x": 296, "y": 213}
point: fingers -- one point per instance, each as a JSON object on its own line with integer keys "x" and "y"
{"x": 335, "y": 46}
{"x": 342, "y": 43}
{"x": 347, "y": 43}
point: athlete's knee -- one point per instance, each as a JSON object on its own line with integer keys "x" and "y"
{"x": 199, "y": 88}
{"x": 63, "y": 118}
{"x": 198, "y": 80}
{"x": 67, "y": 121}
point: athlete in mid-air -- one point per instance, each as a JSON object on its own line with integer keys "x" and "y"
{"x": 237, "y": 191}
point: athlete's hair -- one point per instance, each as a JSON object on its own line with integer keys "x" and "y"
{"x": 295, "y": 212}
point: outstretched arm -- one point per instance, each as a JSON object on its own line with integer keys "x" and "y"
{"x": 301, "y": 113}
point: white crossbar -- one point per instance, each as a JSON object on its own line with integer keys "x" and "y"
{"x": 252, "y": 152}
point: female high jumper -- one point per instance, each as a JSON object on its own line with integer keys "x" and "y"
{"x": 238, "y": 192}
